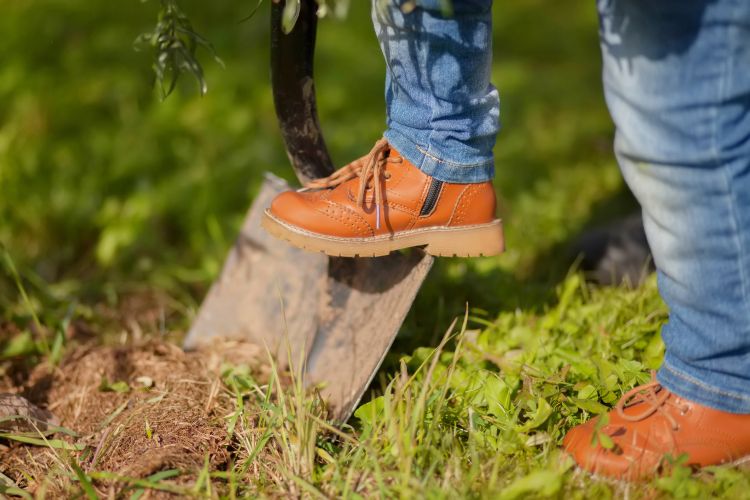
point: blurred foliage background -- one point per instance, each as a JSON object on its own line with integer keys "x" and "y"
{"x": 106, "y": 190}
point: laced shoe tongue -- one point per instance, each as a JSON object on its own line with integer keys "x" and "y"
{"x": 349, "y": 171}
{"x": 653, "y": 398}
{"x": 369, "y": 169}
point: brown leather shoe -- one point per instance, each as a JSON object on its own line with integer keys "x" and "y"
{"x": 650, "y": 423}
{"x": 381, "y": 203}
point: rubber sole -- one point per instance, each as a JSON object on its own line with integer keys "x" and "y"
{"x": 460, "y": 241}
{"x": 619, "y": 481}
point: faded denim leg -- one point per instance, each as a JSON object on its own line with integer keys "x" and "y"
{"x": 442, "y": 110}
{"x": 677, "y": 83}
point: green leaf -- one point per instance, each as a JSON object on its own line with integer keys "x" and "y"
{"x": 587, "y": 392}
{"x": 543, "y": 483}
{"x": 542, "y": 413}
{"x": 154, "y": 479}
{"x": 58, "y": 345}
{"x": 654, "y": 352}
{"x": 50, "y": 443}
{"x": 497, "y": 393}
{"x": 140, "y": 483}
{"x": 85, "y": 481}
{"x": 165, "y": 474}
{"x": 589, "y": 405}
{"x": 173, "y": 42}
{"x": 14, "y": 491}
{"x": 119, "y": 386}
{"x": 368, "y": 412}
{"x": 21, "y": 344}
{"x": 290, "y": 14}
{"x": 605, "y": 440}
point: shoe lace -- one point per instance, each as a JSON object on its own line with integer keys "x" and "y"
{"x": 655, "y": 399}
{"x": 369, "y": 169}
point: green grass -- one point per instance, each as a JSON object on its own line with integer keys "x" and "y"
{"x": 106, "y": 193}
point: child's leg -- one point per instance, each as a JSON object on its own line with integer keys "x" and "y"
{"x": 428, "y": 182}
{"x": 442, "y": 110}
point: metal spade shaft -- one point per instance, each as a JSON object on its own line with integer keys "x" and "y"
{"x": 292, "y": 57}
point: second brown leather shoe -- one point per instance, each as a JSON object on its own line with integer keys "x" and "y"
{"x": 649, "y": 424}
{"x": 381, "y": 203}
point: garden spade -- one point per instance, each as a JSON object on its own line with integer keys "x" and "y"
{"x": 331, "y": 321}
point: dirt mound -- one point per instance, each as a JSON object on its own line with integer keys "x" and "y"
{"x": 136, "y": 410}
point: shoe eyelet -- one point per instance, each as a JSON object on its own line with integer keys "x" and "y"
{"x": 684, "y": 410}
{"x": 387, "y": 175}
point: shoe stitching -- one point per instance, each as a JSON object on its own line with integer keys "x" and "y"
{"x": 465, "y": 203}
{"x": 342, "y": 219}
{"x": 403, "y": 208}
{"x": 458, "y": 203}
{"x": 331, "y": 212}
{"x": 392, "y": 204}
{"x": 370, "y": 168}
{"x": 719, "y": 439}
{"x": 724, "y": 445}
{"x": 368, "y": 239}
{"x": 396, "y": 182}
{"x": 407, "y": 211}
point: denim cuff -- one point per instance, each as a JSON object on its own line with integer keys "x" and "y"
{"x": 431, "y": 163}
{"x": 693, "y": 386}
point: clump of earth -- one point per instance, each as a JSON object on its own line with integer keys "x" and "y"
{"x": 133, "y": 411}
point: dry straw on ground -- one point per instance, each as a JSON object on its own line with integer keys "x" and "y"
{"x": 138, "y": 410}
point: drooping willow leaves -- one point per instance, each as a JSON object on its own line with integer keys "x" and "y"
{"x": 174, "y": 42}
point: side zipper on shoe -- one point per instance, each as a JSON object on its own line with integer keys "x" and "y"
{"x": 432, "y": 197}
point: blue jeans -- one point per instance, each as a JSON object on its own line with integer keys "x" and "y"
{"x": 443, "y": 113}
{"x": 677, "y": 84}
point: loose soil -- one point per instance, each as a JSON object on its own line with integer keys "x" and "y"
{"x": 138, "y": 410}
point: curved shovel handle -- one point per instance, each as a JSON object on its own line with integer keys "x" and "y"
{"x": 293, "y": 88}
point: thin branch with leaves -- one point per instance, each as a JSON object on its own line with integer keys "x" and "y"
{"x": 174, "y": 43}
